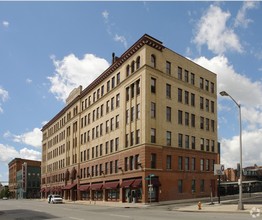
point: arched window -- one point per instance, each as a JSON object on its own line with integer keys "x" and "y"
{"x": 127, "y": 70}
{"x": 138, "y": 62}
{"x": 132, "y": 66}
{"x": 153, "y": 60}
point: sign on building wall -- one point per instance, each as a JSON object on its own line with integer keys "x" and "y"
{"x": 24, "y": 176}
{"x": 219, "y": 169}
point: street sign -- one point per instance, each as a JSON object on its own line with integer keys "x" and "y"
{"x": 219, "y": 169}
{"x": 151, "y": 175}
{"x": 147, "y": 178}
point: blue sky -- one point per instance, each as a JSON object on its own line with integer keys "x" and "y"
{"x": 49, "y": 48}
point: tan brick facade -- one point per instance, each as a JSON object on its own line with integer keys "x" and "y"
{"x": 151, "y": 112}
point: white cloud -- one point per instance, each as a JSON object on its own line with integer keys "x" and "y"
{"x": 5, "y": 23}
{"x": 231, "y": 81}
{"x": 32, "y": 138}
{"x": 29, "y": 81}
{"x": 213, "y": 31}
{"x": 3, "y": 97}
{"x": 105, "y": 14}
{"x": 70, "y": 72}
{"x": 241, "y": 19}
{"x": 251, "y": 153}
{"x": 7, "y": 153}
{"x": 121, "y": 39}
{"x": 237, "y": 86}
{"x": 109, "y": 28}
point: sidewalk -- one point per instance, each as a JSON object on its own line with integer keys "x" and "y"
{"x": 225, "y": 208}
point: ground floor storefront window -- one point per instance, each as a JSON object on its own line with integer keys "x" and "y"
{"x": 112, "y": 194}
{"x": 97, "y": 195}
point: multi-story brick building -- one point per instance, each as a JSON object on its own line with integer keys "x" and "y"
{"x": 24, "y": 178}
{"x": 145, "y": 130}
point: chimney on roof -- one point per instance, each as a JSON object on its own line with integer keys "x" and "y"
{"x": 114, "y": 58}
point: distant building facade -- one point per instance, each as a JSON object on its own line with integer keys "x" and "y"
{"x": 24, "y": 178}
{"x": 145, "y": 130}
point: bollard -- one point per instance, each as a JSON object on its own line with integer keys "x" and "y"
{"x": 199, "y": 205}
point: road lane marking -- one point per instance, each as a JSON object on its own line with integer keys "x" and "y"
{"x": 122, "y": 216}
{"x": 76, "y": 218}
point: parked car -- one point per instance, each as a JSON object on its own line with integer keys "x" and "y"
{"x": 5, "y": 198}
{"x": 55, "y": 199}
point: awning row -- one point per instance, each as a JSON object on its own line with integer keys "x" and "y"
{"x": 134, "y": 183}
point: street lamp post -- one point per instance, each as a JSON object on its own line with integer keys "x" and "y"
{"x": 240, "y": 204}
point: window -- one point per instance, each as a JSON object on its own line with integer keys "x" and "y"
{"x": 186, "y": 163}
{"x": 168, "y": 162}
{"x": 202, "y": 143}
{"x": 116, "y": 144}
{"x": 138, "y": 136}
{"x": 180, "y": 140}
{"x": 153, "y": 61}
{"x": 168, "y": 67}
{"x": 108, "y": 86}
{"x": 117, "y": 100}
{"x": 201, "y": 103}
{"x": 168, "y": 138}
{"x": 207, "y": 145}
{"x": 111, "y": 145}
{"x": 131, "y": 162}
{"x": 138, "y": 111}
{"x": 201, "y": 164}
{"x": 132, "y": 137}
{"x": 113, "y": 82}
{"x": 193, "y": 186}
{"x": 127, "y": 140}
{"x": 193, "y": 164}
{"x": 127, "y": 94}
{"x": 132, "y": 66}
{"x": 107, "y": 106}
{"x": 193, "y": 142}
{"x": 180, "y": 163}
{"x": 179, "y": 73}
{"x": 180, "y": 117}
{"x": 126, "y": 163}
{"x": 127, "y": 70}
{"x": 153, "y": 135}
{"x": 201, "y": 122}
{"x": 186, "y": 118}
{"x": 207, "y": 165}
{"x": 192, "y": 99}
{"x": 207, "y": 124}
{"x": 138, "y": 87}
{"x": 138, "y": 62}
{"x": 153, "y": 85}
{"x": 153, "y": 161}
{"x": 168, "y": 114}
{"x": 192, "y": 78}
{"x": 117, "y": 121}
{"x": 207, "y": 85}
{"x": 179, "y": 96}
{"x": 202, "y": 185}
{"x": 107, "y": 126}
{"x": 111, "y": 124}
{"x": 180, "y": 186}
{"x": 168, "y": 91}
{"x": 132, "y": 114}
{"x": 112, "y": 103}
{"x": 212, "y": 125}
{"x": 201, "y": 83}
{"x": 207, "y": 105}
{"x": 127, "y": 116}
{"x": 153, "y": 110}
{"x": 102, "y": 90}
{"x": 186, "y": 75}
{"x": 212, "y": 87}
{"x": 213, "y": 146}
{"x": 117, "y": 78}
{"x": 132, "y": 90}
{"x": 212, "y": 107}
{"x": 187, "y": 141}
{"x": 186, "y": 97}
{"x": 193, "y": 120}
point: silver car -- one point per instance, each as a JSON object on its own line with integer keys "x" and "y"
{"x": 55, "y": 199}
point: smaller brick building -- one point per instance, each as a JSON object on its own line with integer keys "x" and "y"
{"x": 24, "y": 178}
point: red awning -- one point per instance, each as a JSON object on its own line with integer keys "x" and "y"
{"x": 47, "y": 189}
{"x": 84, "y": 187}
{"x": 96, "y": 186}
{"x": 127, "y": 183}
{"x": 70, "y": 186}
{"x": 111, "y": 185}
{"x": 137, "y": 183}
